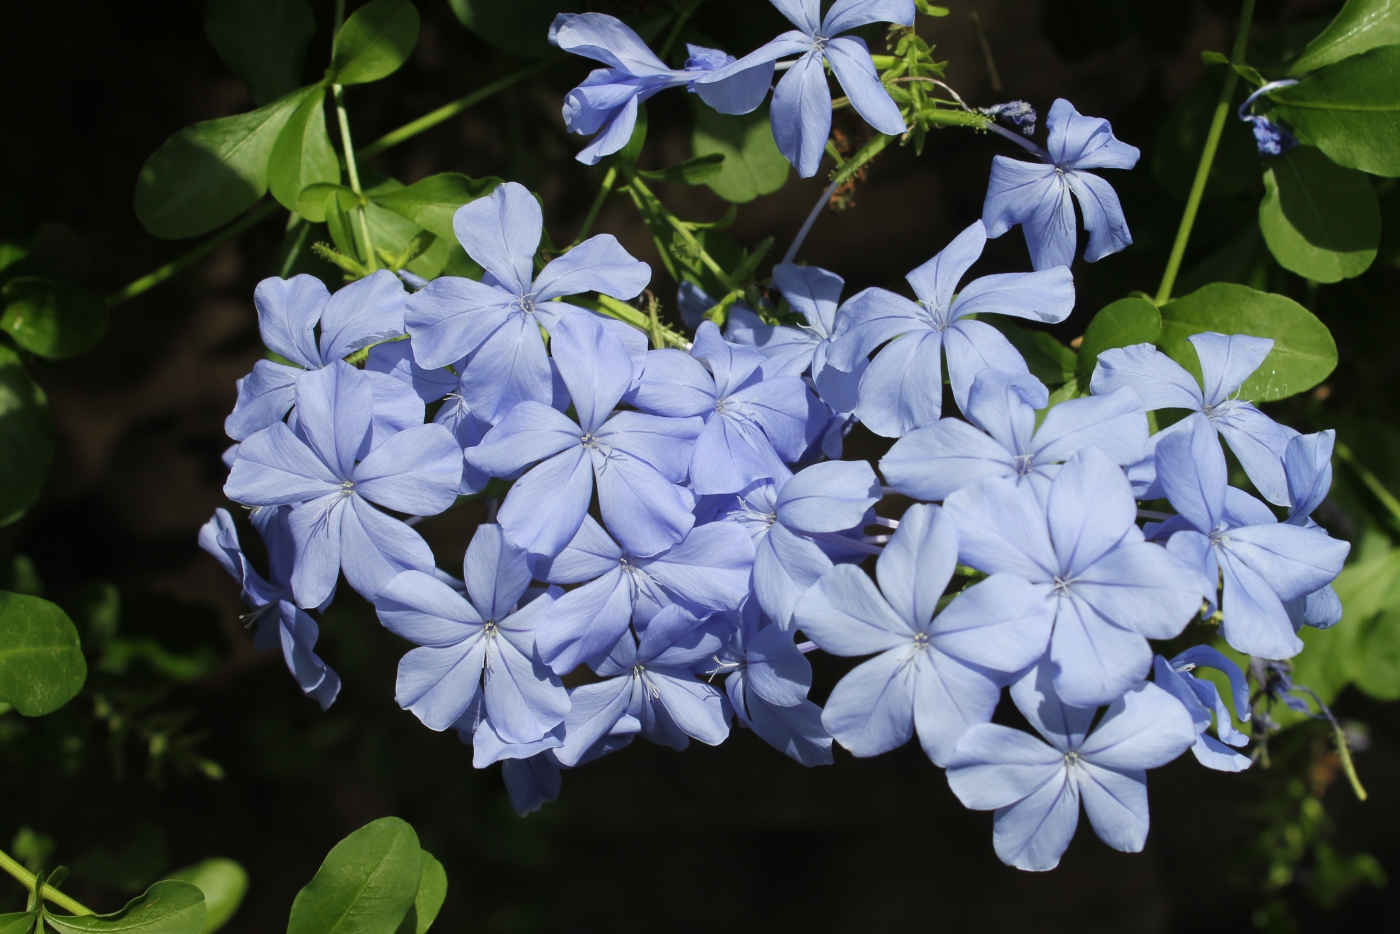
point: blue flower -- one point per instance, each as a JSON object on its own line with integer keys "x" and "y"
{"x": 362, "y": 313}
{"x": 531, "y": 782}
{"x": 328, "y": 472}
{"x": 1226, "y": 362}
{"x": 1035, "y": 787}
{"x": 483, "y": 637}
{"x": 1233, "y": 538}
{"x": 651, "y": 690}
{"x": 496, "y": 322}
{"x": 801, "y": 113}
{"x": 930, "y": 463}
{"x": 606, "y": 102}
{"x": 938, "y": 675}
{"x": 903, "y": 389}
{"x": 638, "y": 460}
{"x": 280, "y": 623}
{"x": 1037, "y": 196}
{"x": 707, "y": 571}
{"x": 1203, "y": 701}
{"x": 1110, "y": 590}
{"x": 1307, "y": 463}
{"x": 754, "y": 422}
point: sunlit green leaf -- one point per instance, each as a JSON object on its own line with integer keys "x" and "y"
{"x": 1361, "y": 25}
{"x": 26, "y": 439}
{"x": 1126, "y": 322}
{"x": 375, "y": 41}
{"x": 752, "y": 165}
{"x": 431, "y": 202}
{"x": 432, "y": 892}
{"x": 263, "y": 41}
{"x": 303, "y": 154}
{"x": 41, "y": 662}
{"x": 52, "y": 319}
{"x": 366, "y": 885}
{"x": 166, "y": 908}
{"x": 1320, "y": 220}
{"x": 223, "y": 882}
{"x": 20, "y": 922}
{"x": 1303, "y": 354}
{"x": 1350, "y": 110}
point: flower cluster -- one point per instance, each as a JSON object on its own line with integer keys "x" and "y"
{"x": 679, "y": 533}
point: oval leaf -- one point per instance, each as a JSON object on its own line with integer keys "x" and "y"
{"x": 366, "y": 885}
{"x": 1362, "y": 25}
{"x": 1126, "y": 322}
{"x": 1320, "y": 220}
{"x": 752, "y": 165}
{"x": 263, "y": 41}
{"x": 207, "y": 174}
{"x": 1304, "y": 352}
{"x": 432, "y": 892}
{"x": 303, "y": 154}
{"x": 223, "y": 882}
{"x": 20, "y": 922}
{"x": 521, "y": 27}
{"x": 1350, "y": 110}
{"x": 430, "y": 203}
{"x": 375, "y": 41}
{"x": 165, "y": 908}
{"x": 51, "y": 319}
{"x": 26, "y": 440}
{"x": 41, "y": 660}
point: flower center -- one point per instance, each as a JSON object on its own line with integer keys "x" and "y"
{"x": 1024, "y": 464}
{"x": 937, "y": 316}
{"x": 527, "y": 304}
{"x": 347, "y": 488}
{"x": 1071, "y": 759}
{"x": 1218, "y": 538}
{"x": 1062, "y": 584}
{"x": 922, "y": 641}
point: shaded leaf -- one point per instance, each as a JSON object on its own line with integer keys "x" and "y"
{"x": 1125, "y": 322}
{"x": 303, "y": 154}
{"x": 752, "y": 165}
{"x": 1303, "y": 354}
{"x": 263, "y": 41}
{"x": 695, "y": 171}
{"x": 521, "y": 27}
{"x": 375, "y": 41}
{"x": 52, "y": 319}
{"x": 366, "y": 885}
{"x": 166, "y": 908}
{"x": 223, "y": 882}
{"x": 41, "y": 661}
{"x": 26, "y": 439}
{"x": 1350, "y": 110}
{"x": 1320, "y": 220}
{"x": 1182, "y": 136}
{"x": 20, "y": 922}
{"x": 1361, "y": 25}
{"x": 431, "y": 202}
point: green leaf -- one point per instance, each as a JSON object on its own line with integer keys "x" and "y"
{"x": 1362, "y": 25}
{"x": 752, "y": 166}
{"x": 366, "y": 885}
{"x": 1350, "y": 110}
{"x": 1304, "y": 352}
{"x": 1125, "y": 322}
{"x": 263, "y": 41}
{"x": 41, "y": 661}
{"x": 26, "y": 440}
{"x": 303, "y": 154}
{"x": 521, "y": 27}
{"x": 1378, "y": 668}
{"x": 207, "y": 174}
{"x": 375, "y": 41}
{"x": 1320, "y": 220}
{"x": 695, "y": 171}
{"x": 432, "y": 892}
{"x": 311, "y": 203}
{"x": 166, "y": 908}
{"x": 52, "y": 319}
{"x": 20, "y": 922}
{"x": 223, "y": 882}
{"x": 432, "y": 202}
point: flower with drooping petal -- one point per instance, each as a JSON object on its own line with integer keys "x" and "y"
{"x": 1307, "y": 465}
{"x": 281, "y": 624}
{"x": 931, "y": 463}
{"x": 324, "y": 471}
{"x": 496, "y": 322}
{"x": 1233, "y": 538}
{"x": 801, "y": 113}
{"x": 1226, "y": 362}
{"x": 652, "y": 690}
{"x": 479, "y": 643}
{"x": 1037, "y": 195}
{"x": 1203, "y": 701}
{"x": 706, "y": 572}
{"x": 1035, "y": 787}
{"x": 1110, "y": 590}
{"x": 903, "y": 388}
{"x": 360, "y": 314}
{"x": 754, "y": 422}
{"x": 937, "y": 675}
{"x": 638, "y": 460}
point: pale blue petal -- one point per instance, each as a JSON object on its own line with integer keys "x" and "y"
{"x": 796, "y": 730}
{"x": 1003, "y": 405}
{"x": 1143, "y": 729}
{"x": 496, "y": 572}
{"x": 801, "y": 114}
{"x": 643, "y": 510}
{"x": 1158, "y": 380}
{"x": 844, "y": 614}
{"x": 545, "y": 507}
{"x": 595, "y": 367}
{"x": 950, "y": 697}
{"x": 994, "y": 766}
{"x": 710, "y": 567}
{"x": 1255, "y": 622}
{"x": 1308, "y": 466}
{"x": 1063, "y": 725}
{"x": 1001, "y": 624}
{"x": 1191, "y": 469}
{"x": 828, "y": 497}
{"x": 731, "y": 364}
{"x": 663, "y": 443}
{"x": 1227, "y": 361}
{"x": 903, "y": 388}
{"x": 316, "y": 531}
{"x": 1090, "y": 509}
{"x": 416, "y": 471}
{"x": 845, "y": 15}
{"x": 1002, "y": 527}
{"x": 1260, "y": 444}
{"x": 674, "y": 384}
{"x": 777, "y": 672}
{"x": 396, "y": 359}
{"x": 1214, "y": 754}
{"x": 438, "y": 684}
{"x": 1046, "y": 296}
{"x": 1115, "y": 423}
{"x": 362, "y": 313}
{"x": 867, "y": 320}
{"x": 275, "y": 467}
{"x": 501, "y": 232}
{"x": 729, "y": 455}
{"x": 1080, "y": 142}
{"x": 917, "y": 564}
{"x": 264, "y": 396}
{"x": 509, "y": 368}
{"x": 1293, "y": 561}
{"x": 1036, "y": 197}
{"x": 451, "y": 317}
{"x": 931, "y": 463}
{"x": 737, "y": 92}
{"x": 785, "y": 566}
{"x": 1142, "y": 587}
{"x": 530, "y": 432}
{"x": 524, "y": 699}
{"x": 375, "y": 548}
{"x": 1102, "y": 213}
{"x": 1116, "y": 802}
{"x": 871, "y": 709}
{"x": 609, "y": 40}
{"x": 1205, "y": 656}
{"x": 850, "y": 62}
{"x": 396, "y": 407}
{"x": 288, "y": 310}
{"x": 594, "y": 710}
{"x": 1097, "y": 659}
{"x": 937, "y": 280}
{"x": 1033, "y": 833}
{"x": 813, "y": 292}
{"x": 585, "y": 623}
{"x": 425, "y": 611}
{"x": 694, "y": 706}
{"x": 598, "y": 264}
{"x": 334, "y": 407}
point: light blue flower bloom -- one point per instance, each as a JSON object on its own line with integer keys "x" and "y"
{"x": 1235, "y": 539}
{"x": 1035, "y": 787}
{"x": 707, "y": 571}
{"x": 903, "y": 388}
{"x": 638, "y": 460}
{"x": 531, "y": 782}
{"x": 1037, "y": 196}
{"x": 483, "y": 637}
{"x": 328, "y": 472}
{"x": 1226, "y": 362}
{"x": 930, "y": 463}
{"x": 1203, "y": 702}
{"x": 281, "y": 624}
{"x": 1111, "y": 591}
{"x": 938, "y": 675}
{"x": 360, "y": 314}
{"x": 801, "y": 112}
{"x": 1307, "y": 463}
{"x": 496, "y": 322}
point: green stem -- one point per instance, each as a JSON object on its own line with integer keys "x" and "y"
{"x": 640, "y": 187}
{"x": 603, "y": 191}
{"x": 152, "y": 279}
{"x": 448, "y": 111}
{"x": 371, "y": 260}
{"x": 1344, "y": 753}
{"x": 1372, "y": 482}
{"x": 1198, "y": 186}
{"x": 682, "y": 18}
{"x": 27, "y": 879}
